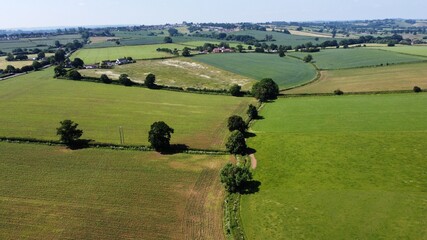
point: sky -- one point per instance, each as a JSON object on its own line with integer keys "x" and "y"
{"x": 51, "y": 13}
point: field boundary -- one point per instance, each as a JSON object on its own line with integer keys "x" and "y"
{"x": 110, "y": 146}
{"x": 284, "y": 95}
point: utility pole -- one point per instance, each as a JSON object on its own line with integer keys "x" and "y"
{"x": 122, "y": 135}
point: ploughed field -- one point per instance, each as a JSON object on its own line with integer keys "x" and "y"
{"x": 55, "y": 193}
{"x": 34, "y": 104}
{"x": 349, "y": 167}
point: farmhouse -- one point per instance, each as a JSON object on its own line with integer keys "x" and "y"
{"x": 222, "y": 50}
{"x": 91, "y": 66}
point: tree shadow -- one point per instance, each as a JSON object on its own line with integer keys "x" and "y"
{"x": 250, "y": 187}
{"x": 250, "y": 151}
{"x": 249, "y": 135}
{"x": 174, "y": 149}
{"x": 80, "y": 144}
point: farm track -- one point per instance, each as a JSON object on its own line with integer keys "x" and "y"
{"x": 201, "y": 219}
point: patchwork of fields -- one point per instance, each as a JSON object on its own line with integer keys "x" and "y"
{"x": 411, "y": 50}
{"x": 19, "y": 64}
{"x": 286, "y": 72}
{"x": 40, "y": 43}
{"x": 387, "y": 78}
{"x": 179, "y": 72}
{"x": 55, "y": 193}
{"x": 32, "y": 106}
{"x": 357, "y": 57}
{"x": 349, "y": 167}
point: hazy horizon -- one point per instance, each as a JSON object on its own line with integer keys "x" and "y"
{"x": 50, "y": 14}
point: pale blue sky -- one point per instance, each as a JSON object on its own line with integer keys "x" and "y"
{"x": 43, "y": 13}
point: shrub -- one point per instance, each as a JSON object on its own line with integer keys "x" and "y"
{"x": 236, "y": 123}
{"x": 252, "y": 112}
{"x": 124, "y": 80}
{"x": 235, "y": 90}
{"x": 105, "y": 79}
{"x": 417, "y": 89}
{"x": 150, "y": 80}
{"x": 234, "y": 177}
{"x": 68, "y": 132}
{"x": 74, "y": 75}
{"x": 236, "y": 143}
{"x": 308, "y": 58}
{"x": 338, "y": 92}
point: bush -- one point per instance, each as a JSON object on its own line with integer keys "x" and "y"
{"x": 235, "y": 90}
{"x": 105, "y": 79}
{"x": 150, "y": 81}
{"x": 74, "y": 75}
{"x": 124, "y": 80}
{"x": 417, "y": 89}
{"x": 338, "y": 92}
{"x": 308, "y": 58}
{"x": 68, "y": 132}
{"x": 252, "y": 112}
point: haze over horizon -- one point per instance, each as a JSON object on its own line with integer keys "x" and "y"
{"x": 133, "y": 12}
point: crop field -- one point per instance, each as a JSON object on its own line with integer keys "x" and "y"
{"x": 180, "y": 72}
{"x": 357, "y": 57}
{"x": 32, "y": 106}
{"x": 411, "y": 50}
{"x": 41, "y": 43}
{"x": 340, "y": 167}
{"x": 283, "y": 39}
{"x": 387, "y": 78}
{"x": 19, "y": 64}
{"x": 55, "y": 193}
{"x": 286, "y": 72}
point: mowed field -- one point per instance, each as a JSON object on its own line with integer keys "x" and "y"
{"x": 411, "y": 50}
{"x": 96, "y": 55}
{"x": 180, "y": 72}
{"x": 340, "y": 167}
{"x": 19, "y": 64}
{"x": 54, "y": 193}
{"x": 357, "y": 57}
{"x": 286, "y": 72}
{"x": 387, "y": 78}
{"x": 32, "y": 106}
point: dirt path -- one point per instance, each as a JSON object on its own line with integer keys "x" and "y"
{"x": 253, "y": 161}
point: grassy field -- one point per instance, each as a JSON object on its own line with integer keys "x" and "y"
{"x": 97, "y": 55}
{"x": 41, "y": 43}
{"x": 19, "y": 64}
{"x": 283, "y": 39}
{"x": 180, "y": 72}
{"x": 357, "y": 57}
{"x": 54, "y": 193}
{"x": 32, "y": 106}
{"x": 411, "y": 50}
{"x": 286, "y": 72}
{"x": 388, "y": 78}
{"x": 350, "y": 167}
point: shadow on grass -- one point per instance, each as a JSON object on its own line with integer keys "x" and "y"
{"x": 250, "y": 187}
{"x": 250, "y": 151}
{"x": 174, "y": 149}
{"x": 80, "y": 144}
{"x": 249, "y": 135}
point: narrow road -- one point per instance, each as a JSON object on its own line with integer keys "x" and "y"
{"x": 253, "y": 161}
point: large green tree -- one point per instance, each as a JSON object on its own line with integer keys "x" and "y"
{"x": 159, "y": 136}
{"x": 124, "y": 80}
{"x": 265, "y": 90}
{"x": 236, "y": 143}
{"x": 236, "y": 123}
{"x": 68, "y": 132}
{"x": 234, "y": 177}
{"x": 150, "y": 80}
{"x": 235, "y": 90}
{"x": 60, "y": 56}
{"x": 77, "y": 63}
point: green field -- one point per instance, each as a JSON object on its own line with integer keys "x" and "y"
{"x": 387, "y": 78}
{"x": 32, "y": 106}
{"x": 357, "y": 57}
{"x": 54, "y": 193}
{"x": 411, "y": 50}
{"x": 283, "y": 39}
{"x": 286, "y": 72}
{"x": 40, "y": 43}
{"x": 97, "y": 55}
{"x": 349, "y": 167}
{"x": 180, "y": 72}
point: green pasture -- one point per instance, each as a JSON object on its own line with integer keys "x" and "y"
{"x": 286, "y": 72}
{"x": 41, "y": 43}
{"x": 283, "y": 39}
{"x": 386, "y": 78}
{"x": 340, "y": 167}
{"x": 19, "y": 64}
{"x": 357, "y": 57}
{"x": 411, "y": 50}
{"x": 179, "y": 72}
{"x": 55, "y": 193}
{"x": 32, "y": 106}
{"x": 96, "y": 55}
